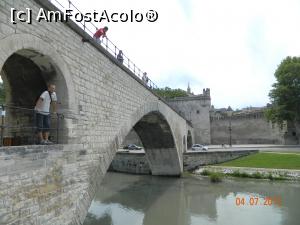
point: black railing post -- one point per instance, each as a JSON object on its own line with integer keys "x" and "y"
{"x": 34, "y": 128}
{"x": 2, "y": 123}
{"x": 57, "y": 127}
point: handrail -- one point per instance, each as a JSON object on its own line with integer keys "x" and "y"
{"x": 110, "y": 47}
{"x": 30, "y": 127}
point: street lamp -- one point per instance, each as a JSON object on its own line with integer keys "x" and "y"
{"x": 230, "y": 128}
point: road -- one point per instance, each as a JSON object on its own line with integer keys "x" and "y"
{"x": 263, "y": 148}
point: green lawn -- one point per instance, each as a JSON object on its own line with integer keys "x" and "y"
{"x": 267, "y": 160}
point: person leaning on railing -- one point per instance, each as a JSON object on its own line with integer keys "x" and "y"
{"x": 42, "y": 109}
{"x": 100, "y": 33}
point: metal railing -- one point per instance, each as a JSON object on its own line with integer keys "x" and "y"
{"x": 18, "y": 126}
{"x": 90, "y": 28}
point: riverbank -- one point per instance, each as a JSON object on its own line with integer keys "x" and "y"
{"x": 247, "y": 172}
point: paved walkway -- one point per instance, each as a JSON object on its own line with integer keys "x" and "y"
{"x": 271, "y": 148}
{"x": 263, "y": 148}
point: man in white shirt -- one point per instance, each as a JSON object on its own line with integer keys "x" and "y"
{"x": 42, "y": 109}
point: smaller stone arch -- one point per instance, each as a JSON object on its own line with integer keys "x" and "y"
{"x": 46, "y": 58}
{"x": 27, "y": 65}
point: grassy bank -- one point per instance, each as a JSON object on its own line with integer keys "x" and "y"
{"x": 267, "y": 160}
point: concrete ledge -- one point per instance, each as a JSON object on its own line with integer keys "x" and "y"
{"x": 18, "y": 159}
{"x": 137, "y": 163}
{"x": 192, "y": 160}
{"x": 38, "y": 148}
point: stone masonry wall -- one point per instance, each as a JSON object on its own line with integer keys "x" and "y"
{"x": 193, "y": 160}
{"x": 245, "y": 131}
{"x": 137, "y": 162}
{"x": 40, "y": 184}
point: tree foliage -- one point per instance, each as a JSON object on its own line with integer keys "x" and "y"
{"x": 285, "y": 95}
{"x": 170, "y": 93}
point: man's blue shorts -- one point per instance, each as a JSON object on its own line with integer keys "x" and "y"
{"x": 42, "y": 122}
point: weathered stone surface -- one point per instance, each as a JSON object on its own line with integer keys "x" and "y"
{"x": 138, "y": 163}
{"x": 135, "y": 163}
{"x": 246, "y": 129}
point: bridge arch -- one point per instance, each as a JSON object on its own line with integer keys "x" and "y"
{"x": 159, "y": 136}
{"x": 27, "y": 65}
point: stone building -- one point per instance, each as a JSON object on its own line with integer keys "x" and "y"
{"x": 195, "y": 108}
{"x": 222, "y": 126}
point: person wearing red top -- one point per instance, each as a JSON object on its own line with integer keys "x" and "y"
{"x": 99, "y": 33}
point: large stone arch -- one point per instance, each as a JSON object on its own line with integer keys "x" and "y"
{"x": 27, "y": 65}
{"x": 159, "y": 135}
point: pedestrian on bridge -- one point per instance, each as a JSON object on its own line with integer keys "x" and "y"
{"x": 100, "y": 33}
{"x": 42, "y": 109}
{"x": 120, "y": 57}
{"x": 145, "y": 78}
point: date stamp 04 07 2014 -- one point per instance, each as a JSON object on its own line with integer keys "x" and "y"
{"x": 258, "y": 201}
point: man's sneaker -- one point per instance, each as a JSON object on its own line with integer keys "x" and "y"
{"x": 42, "y": 142}
{"x": 47, "y": 142}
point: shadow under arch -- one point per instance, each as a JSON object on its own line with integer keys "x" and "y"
{"x": 47, "y": 59}
{"x": 157, "y": 136}
{"x": 189, "y": 139}
{"x": 27, "y": 65}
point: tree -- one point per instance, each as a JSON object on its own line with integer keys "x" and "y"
{"x": 170, "y": 93}
{"x": 285, "y": 95}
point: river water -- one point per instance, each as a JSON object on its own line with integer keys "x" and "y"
{"x": 125, "y": 199}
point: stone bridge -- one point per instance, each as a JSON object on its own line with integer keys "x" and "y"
{"x": 102, "y": 100}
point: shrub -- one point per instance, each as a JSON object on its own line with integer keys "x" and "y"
{"x": 205, "y": 173}
{"x": 216, "y": 177}
{"x": 257, "y": 175}
{"x": 270, "y": 177}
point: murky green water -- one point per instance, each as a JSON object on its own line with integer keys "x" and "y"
{"x": 147, "y": 200}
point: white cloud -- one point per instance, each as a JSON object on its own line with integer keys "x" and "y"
{"x": 232, "y": 47}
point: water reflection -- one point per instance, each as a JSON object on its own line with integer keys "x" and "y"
{"x": 147, "y": 200}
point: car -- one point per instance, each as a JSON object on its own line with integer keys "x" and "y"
{"x": 132, "y": 147}
{"x": 198, "y": 147}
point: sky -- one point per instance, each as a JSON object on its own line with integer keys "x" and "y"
{"x": 232, "y": 47}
